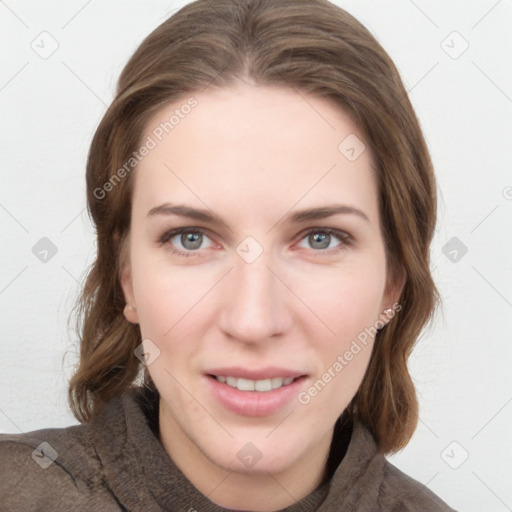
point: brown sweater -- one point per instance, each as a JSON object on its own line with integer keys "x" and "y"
{"x": 116, "y": 463}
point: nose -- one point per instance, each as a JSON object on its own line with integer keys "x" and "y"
{"x": 255, "y": 304}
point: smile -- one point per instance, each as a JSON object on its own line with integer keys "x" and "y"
{"x": 254, "y": 385}
{"x": 261, "y": 395}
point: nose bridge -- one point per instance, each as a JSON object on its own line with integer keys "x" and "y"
{"x": 254, "y": 307}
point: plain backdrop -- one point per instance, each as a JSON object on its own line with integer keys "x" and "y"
{"x": 59, "y": 65}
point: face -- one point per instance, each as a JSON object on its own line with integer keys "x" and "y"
{"x": 256, "y": 267}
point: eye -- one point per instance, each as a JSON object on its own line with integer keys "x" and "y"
{"x": 189, "y": 241}
{"x": 326, "y": 240}
{"x": 185, "y": 241}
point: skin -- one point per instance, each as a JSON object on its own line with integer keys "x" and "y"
{"x": 253, "y": 154}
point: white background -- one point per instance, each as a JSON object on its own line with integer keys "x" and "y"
{"x": 461, "y": 366}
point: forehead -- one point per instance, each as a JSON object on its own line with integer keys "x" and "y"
{"x": 254, "y": 145}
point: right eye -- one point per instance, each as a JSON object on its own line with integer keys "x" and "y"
{"x": 185, "y": 241}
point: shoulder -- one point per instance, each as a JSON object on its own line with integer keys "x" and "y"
{"x": 400, "y": 492}
{"x": 368, "y": 481}
{"x": 51, "y": 469}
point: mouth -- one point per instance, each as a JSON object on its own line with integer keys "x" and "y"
{"x": 254, "y": 392}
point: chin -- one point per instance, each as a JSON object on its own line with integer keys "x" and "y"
{"x": 260, "y": 456}
{"x": 263, "y": 466}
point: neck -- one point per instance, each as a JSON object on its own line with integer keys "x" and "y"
{"x": 262, "y": 491}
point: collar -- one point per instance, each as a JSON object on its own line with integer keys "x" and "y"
{"x": 144, "y": 478}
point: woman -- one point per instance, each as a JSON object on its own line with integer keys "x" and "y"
{"x": 264, "y": 204}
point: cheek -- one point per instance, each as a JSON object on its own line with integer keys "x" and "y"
{"x": 348, "y": 299}
{"x": 173, "y": 301}
{"x": 349, "y": 305}
{"x": 170, "y": 300}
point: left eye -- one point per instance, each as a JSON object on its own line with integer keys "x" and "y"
{"x": 321, "y": 239}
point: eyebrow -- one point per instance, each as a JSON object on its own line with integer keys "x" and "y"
{"x": 294, "y": 217}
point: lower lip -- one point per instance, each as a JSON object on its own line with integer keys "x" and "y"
{"x": 253, "y": 403}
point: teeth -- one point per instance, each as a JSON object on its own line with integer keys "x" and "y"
{"x": 263, "y": 385}
{"x": 245, "y": 384}
{"x": 255, "y": 385}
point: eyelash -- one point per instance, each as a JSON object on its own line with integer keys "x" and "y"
{"x": 345, "y": 239}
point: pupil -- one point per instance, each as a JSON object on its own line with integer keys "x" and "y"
{"x": 191, "y": 240}
{"x": 322, "y": 238}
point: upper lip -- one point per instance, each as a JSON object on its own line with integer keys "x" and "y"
{"x": 255, "y": 374}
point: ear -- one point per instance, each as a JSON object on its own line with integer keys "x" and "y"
{"x": 130, "y": 310}
{"x": 125, "y": 279}
{"x": 390, "y": 301}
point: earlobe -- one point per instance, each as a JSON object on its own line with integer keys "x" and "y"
{"x": 385, "y": 317}
{"x": 130, "y": 313}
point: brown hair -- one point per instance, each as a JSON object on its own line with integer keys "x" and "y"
{"x": 316, "y": 48}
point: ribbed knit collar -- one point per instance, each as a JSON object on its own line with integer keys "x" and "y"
{"x": 144, "y": 478}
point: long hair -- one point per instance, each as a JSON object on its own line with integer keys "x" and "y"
{"x": 313, "y": 47}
